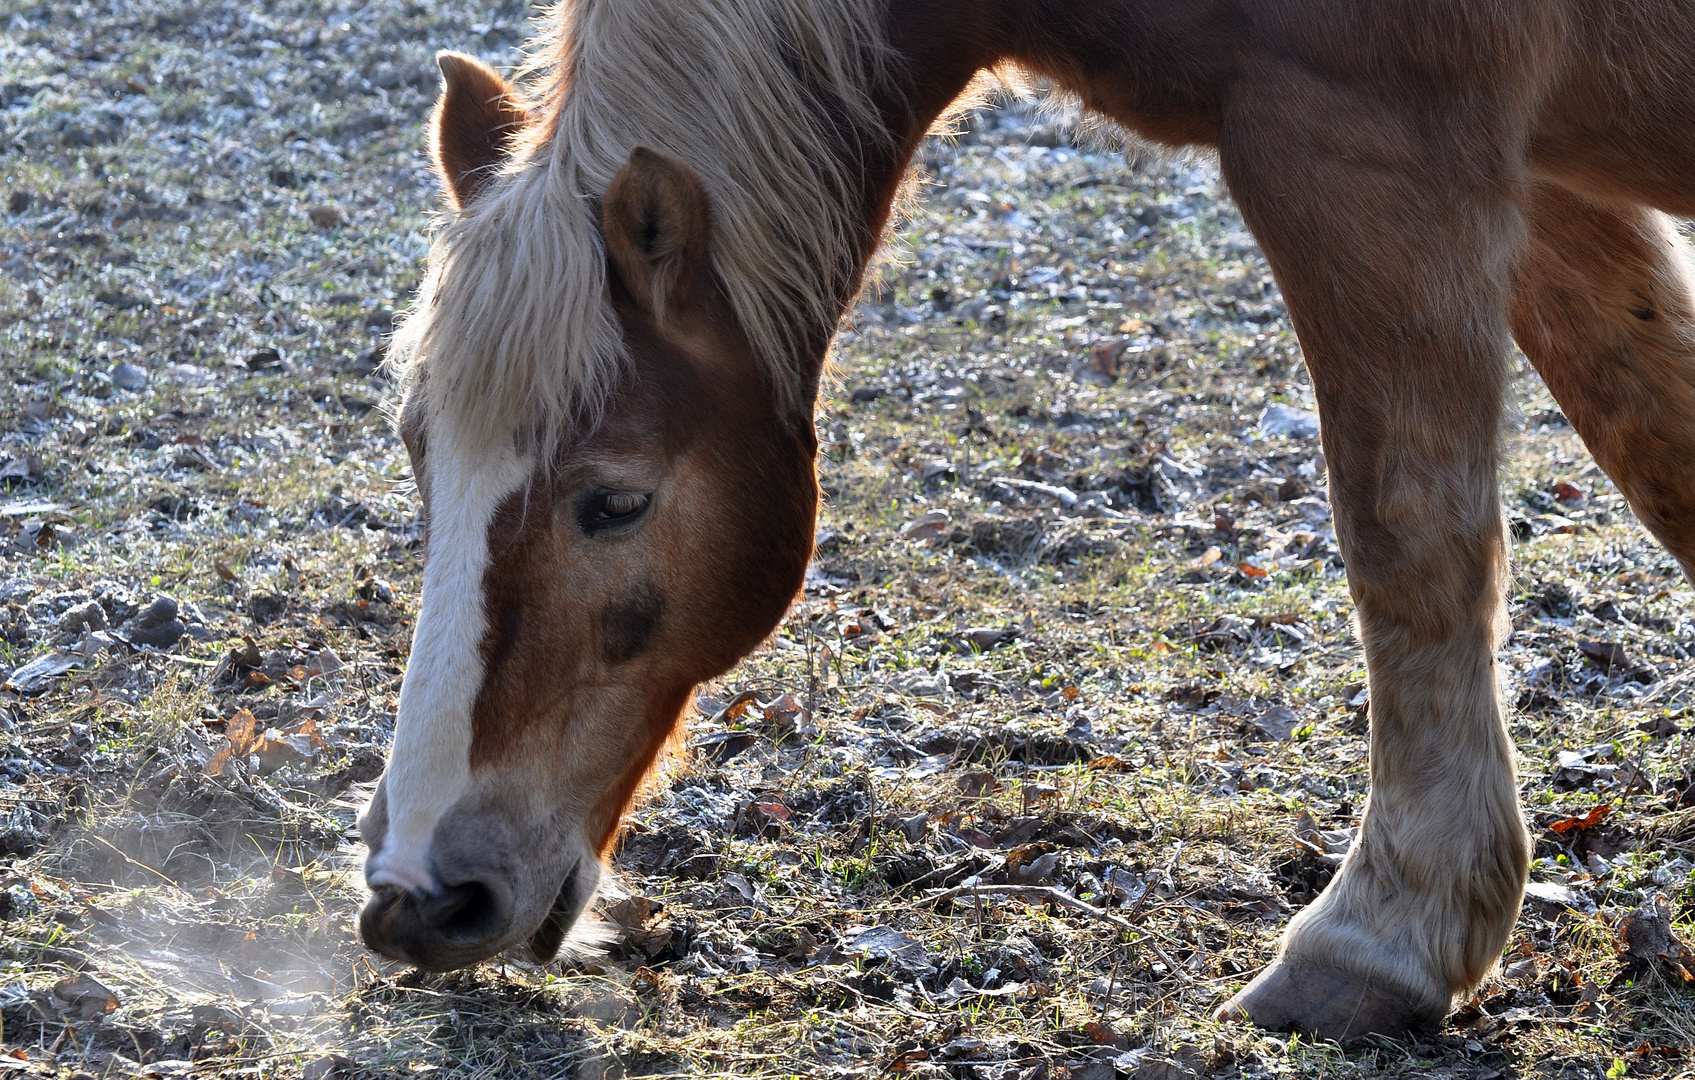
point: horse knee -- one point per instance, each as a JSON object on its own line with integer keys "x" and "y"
{"x": 1432, "y": 567}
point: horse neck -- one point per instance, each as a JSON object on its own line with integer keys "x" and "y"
{"x": 934, "y": 60}
{"x": 941, "y": 46}
{"x": 1143, "y": 63}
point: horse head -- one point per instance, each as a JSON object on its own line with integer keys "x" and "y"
{"x": 576, "y": 587}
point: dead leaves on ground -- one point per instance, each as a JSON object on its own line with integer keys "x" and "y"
{"x": 265, "y": 749}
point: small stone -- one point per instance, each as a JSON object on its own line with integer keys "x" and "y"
{"x": 85, "y": 616}
{"x": 23, "y": 469}
{"x": 1289, "y": 423}
{"x": 984, "y": 638}
{"x": 326, "y": 217}
{"x": 328, "y": 1067}
{"x": 158, "y": 624}
{"x": 914, "y": 828}
{"x": 162, "y": 610}
{"x": 127, "y": 376}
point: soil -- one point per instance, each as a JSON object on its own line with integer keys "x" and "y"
{"x": 1077, "y": 621}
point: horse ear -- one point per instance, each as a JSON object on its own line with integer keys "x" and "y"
{"x": 655, "y": 220}
{"x": 475, "y": 118}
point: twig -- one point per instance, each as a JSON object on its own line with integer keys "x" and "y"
{"x": 1065, "y": 899}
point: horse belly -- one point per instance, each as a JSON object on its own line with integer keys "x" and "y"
{"x": 1620, "y": 125}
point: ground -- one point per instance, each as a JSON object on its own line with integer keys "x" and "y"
{"x": 1077, "y": 624}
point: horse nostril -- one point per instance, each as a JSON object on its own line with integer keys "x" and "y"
{"x": 467, "y": 912}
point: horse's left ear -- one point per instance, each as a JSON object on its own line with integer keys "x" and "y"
{"x": 475, "y": 119}
{"x": 655, "y": 220}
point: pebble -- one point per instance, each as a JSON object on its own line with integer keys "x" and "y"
{"x": 1291, "y": 423}
{"x": 158, "y": 625}
{"x": 326, "y": 217}
{"x": 126, "y": 376}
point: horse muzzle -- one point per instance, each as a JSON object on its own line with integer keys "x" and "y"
{"x": 461, "y": 924}
{"x": 453, "y": 927}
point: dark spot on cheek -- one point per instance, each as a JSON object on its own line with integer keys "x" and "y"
{"x": 1646, "y": 314}
{"x": 628, "y": 626}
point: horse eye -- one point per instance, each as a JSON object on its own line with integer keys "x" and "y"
{"x": 606, "y": 509}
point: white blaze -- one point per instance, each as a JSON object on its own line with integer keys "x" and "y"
{"x": 429, "y": 768}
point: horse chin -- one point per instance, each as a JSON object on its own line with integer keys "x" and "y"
{"x": 574, "y": 894}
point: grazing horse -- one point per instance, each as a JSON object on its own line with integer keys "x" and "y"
{"x": 614, "y": 357}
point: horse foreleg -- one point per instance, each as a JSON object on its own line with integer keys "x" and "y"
{"x": 1394, "y": 254}
{"x": 1604, "y": 306}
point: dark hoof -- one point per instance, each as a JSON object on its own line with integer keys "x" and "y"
{"x": 1289, "y": 997}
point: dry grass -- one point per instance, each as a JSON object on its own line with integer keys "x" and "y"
{"x": 1053, "y": 697}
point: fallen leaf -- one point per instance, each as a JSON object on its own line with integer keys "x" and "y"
{"x": 890, "y": 946}
{"x": 1607, "y": 655}
{"x": 721, "y": 746}
{"x": 242, "y": 732}
{"x": 328, "y": 1067}
{"x": 271, "y": 747}
{"x": 38, "y": 674}
{"x": 1278, "y": 723}
{"x": 325, "y": 662}
{"x": 1289, "y": 423}
{"x": 26, "y": 468}
{"x": 783, "y": 712}
{"x": 769, "y": 817}
{"x": 930, "y": 526}
{"x": 1100, "y": 1034}
{"x": 1662, "y": 726}
{"x": 984, "y": 638}
{"x": 1547, "y": 892}
{"x": 220, "y": 763}
{"x": 89, "y": 997}
{"x": 632, "y": 912}
{"x": 1587, "y": 821}
{"x": 1646, "y": 934}
{"x": 1569, "y": 494}
{"x": 977, "y": 783}
{"x": 1032, "y": 864}
{"x": 1101, "y": 366}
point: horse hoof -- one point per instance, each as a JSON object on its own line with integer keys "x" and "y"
{"x": 1328, "y": 1004}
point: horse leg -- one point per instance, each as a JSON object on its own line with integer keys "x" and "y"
{"x": 1393, "y": 245}
{"x": 1604, "y": 306}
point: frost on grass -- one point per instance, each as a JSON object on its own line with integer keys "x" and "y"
{"x": 1077, "y": 630}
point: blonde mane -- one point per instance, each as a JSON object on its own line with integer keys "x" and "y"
{"x": 513, "y": 326}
